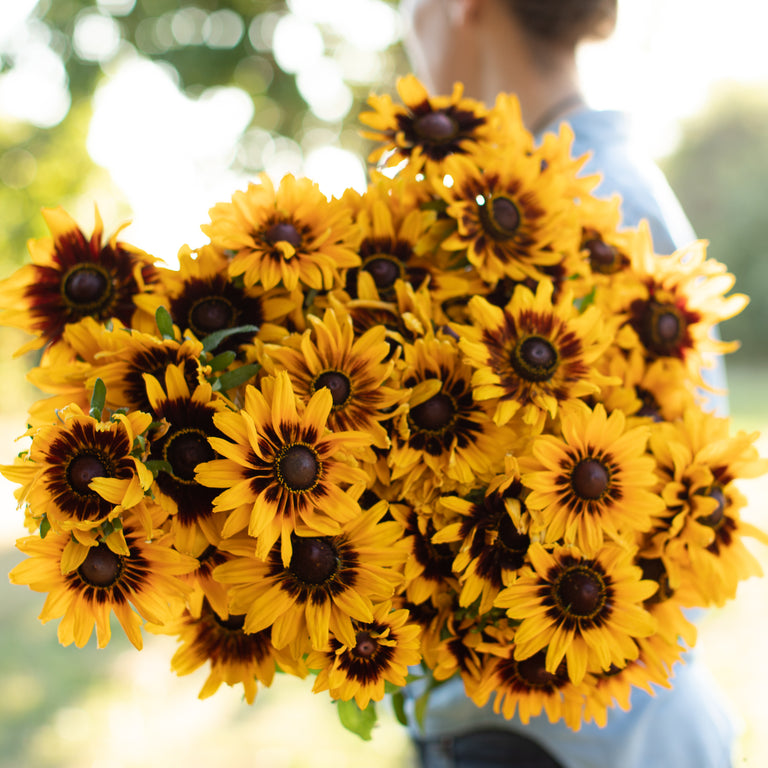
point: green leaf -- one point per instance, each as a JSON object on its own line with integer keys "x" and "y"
{"x": 398, "y": 707}
{"x": 359, "y": 721}
{"x": 98, "y": 398}
{"x": 222, "y": 361}
{"x": 45, "y": 526}
{"x": 155, "y": 466}
{"x": 582, "y": 304}
{"x": 420, "y": 708}
{"x": 164, "y": 323}
{"x": 236, "y": 377}
{"x": 212, "y": 340}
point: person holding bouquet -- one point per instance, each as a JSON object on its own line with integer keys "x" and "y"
{"x": 528, "y": 48}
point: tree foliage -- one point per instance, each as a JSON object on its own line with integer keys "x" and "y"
{"x": 719, "y": 172}
{"x": 205, "y": 43}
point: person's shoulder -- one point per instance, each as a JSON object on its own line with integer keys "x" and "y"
{"x": 626, "y": 169}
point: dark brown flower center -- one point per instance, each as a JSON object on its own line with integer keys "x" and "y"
{"x": 86, "y": 286}
{"x": 603, "y": 257}
{"x": 84, "y": 468}
{"x": 580, "y": 592}
{"x": 534, "y": 673}
{"x": 534, "y": 359}
{"x": 384, "y": 270}
{"x": 365, "y": 645}
{"x": 283, "y": 231}
{"x": 211, "y": 314}
{"x": 298, "y": 467}
{"x": 590, "y": 479}
{"x": 185, "y": 450}
{"x": 232, "y": 623}
{"x": 714, "y": 518}
{"x": 662, "y": 328}
{"x": 101, "y": 567}
{"x": 435, "y": 414}
{"x": 314, "y": 560}
{"x": 436, "y": 127}
{"x": 512, "y": 539}
{"x": 337, "y": 382}
{"x": 500, "y": 217}
{"x": 505, "y": 215}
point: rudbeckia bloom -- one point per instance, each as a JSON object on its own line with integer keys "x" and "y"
{"x": 329, "y": 582}
{"x": 593, "y": 481}
{"x": 121, "y": 357}
{"x": 493, "y": 536}
{"x": 72, "y": 277}
{"x": 674, "y": 302}
{"x": 189, "y": 418}
{"x": 699, "y": 464}
{"x": 382, "y": 652}
{"x": 82, "y": 472}
{"x": 445, "y": 438}
{"x": 352, "y": 368}
{"x": 424, "y": 129}
{"x": 142, "y": 584}
{"x": 586, "y": 610}
{"x": 512, "y": 221}
{"x": 293, "y": 235}
{"x": 534, "y": 354}
{"x": 526, "y": 686}
{"x": 235, "y": 657}
{"x": 203, "y": 299}
{"x": 282, "y": 467}
{"x": 428, "y": 572}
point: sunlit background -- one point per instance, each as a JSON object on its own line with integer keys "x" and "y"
{"x": 157, "y": 109}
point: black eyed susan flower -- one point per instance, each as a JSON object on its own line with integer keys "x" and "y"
{"x": 205, "y": 589}
{"x": 459, "y": 652}
{"x": 428, "y": 572}
{"x": 673, "y": 303}
{"x": 188, "y": 419}
{"x": 81, "y": 473}
{"x": 282, "y": 468}
{"x": 424, "y": 129}
{"x": 527, "y": 687}
{"x": 143, "y": 584}
{"x": 494, "y": 539}
{"x": 595, "y": 480}
{"x": 203, "y": 299}
{"x": 121, "y": 358}
{"x": 586, "y": 610}
{"x": 383, "y": 650}
{"x": 290, "y": 236}
{"x": 445, "y": 439}
{"x": 352, "y": 368}
{"x": 329, "y": 581}
{"x": 699, "y": 464}
{"x": 534, "y": 354}
{"x": 235, "y": 657}
{"x": 399, "y": 240}
{"x": 72, "y": 277}
{"x": 511, "y": 220}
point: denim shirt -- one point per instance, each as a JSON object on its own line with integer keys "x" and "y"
{"x": 686, "y": 726}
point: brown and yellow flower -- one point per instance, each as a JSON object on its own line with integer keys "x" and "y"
{"x": 290, "y": 235}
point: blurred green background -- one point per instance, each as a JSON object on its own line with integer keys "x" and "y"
{"x": 156, "y": 110}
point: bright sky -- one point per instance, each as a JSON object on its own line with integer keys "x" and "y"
{"x": 169, "y": 154}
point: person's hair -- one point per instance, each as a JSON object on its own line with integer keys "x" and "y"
{"x": 566, "y": 22}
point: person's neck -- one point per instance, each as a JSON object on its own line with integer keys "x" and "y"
{"x": 548, "y": 88}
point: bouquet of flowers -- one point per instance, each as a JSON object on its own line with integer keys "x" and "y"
{"x": 456, "y": 421}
